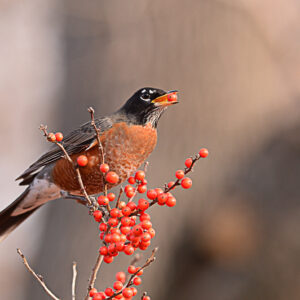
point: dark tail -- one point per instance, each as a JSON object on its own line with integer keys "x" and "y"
{"x": 8, "y": 222}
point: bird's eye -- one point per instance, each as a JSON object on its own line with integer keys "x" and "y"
{"x": 145, "y": 96}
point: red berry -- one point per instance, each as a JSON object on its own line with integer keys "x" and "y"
{"x": 188, "y": 162}
{"x": 172, "y": 97}
{"x": 121, "y": 205}
{"x": 134, "y": 290}
{"x": 103, "y": 227}
{"x": 115, "y": 238}
{"x": 146, "y": 298}
{"x": 121, "y": 277}
{"x": 59, "y": 136}
{"x": 162, "y": 199}
{"x": 82, "y": 160}
{"x": 103, "y": 250}
{"x": 170, "y": 184}
{"x": 151, "y": 194}
{"x": 104, "y": 168}
{"x": 137, "y": 281}
{"x": 120, "y": 245}
{"x": 128, "y": 188}
{"x": 131, "y": 205}
{"x": 127, "y": 293}
{"x": 112, "y": 177}
{"x": 128, "y": 250}
{"x": 151, "y": 231}
{"x": 115, "y": 212}
{"x": 179, "y": 174}
{"x": 109, "y": 292}
{"x": 103, "y": 200}
{"x": 186, "y": 183}
{"x": 113, "y": 222}
{"x": 111, "y": 197}
{"x": 98, "y": 296}
{"x": 126, "y": 211}
{"x": 137, "y": 230}
{"x": 93, "y": 291}
{"x": 145, "y": 238}
{"x": 131, "y": 180}
{"x": 51, "y": 137}
{"x": 203, "y": 152}
{"x": 171, "y": 201}
{"x": 140, "y": 272}
{"x": 143, "y": 204}
{"x": 144, "y": 216}
{"x": 97, "y": 215}
{"x": 125, "y": 229}
{"x": 146, "y": 224}
{"x": 142, "y": 188}
{"x": 108, "y": 259}
{"x": 131, "y": 269}
{"x": 118, "y": 285}
{"x": 107, "y": 238}
{"x": 130, "y": 193}
{"x": 125, "y": 221}
{"x": 158, "y": 191}
{"x": 140, "y": 175}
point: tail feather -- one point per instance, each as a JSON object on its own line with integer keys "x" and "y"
{"x": 8, "y": 222}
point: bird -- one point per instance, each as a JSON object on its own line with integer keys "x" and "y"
{"x": 128, "y": 136}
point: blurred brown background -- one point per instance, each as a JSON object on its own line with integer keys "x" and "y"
{"x": 236, "y": 63}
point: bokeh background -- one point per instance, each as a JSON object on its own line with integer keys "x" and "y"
{"x": 236, "y": 63}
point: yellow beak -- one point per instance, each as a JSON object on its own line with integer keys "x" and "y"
{"x": 167, "y": 99}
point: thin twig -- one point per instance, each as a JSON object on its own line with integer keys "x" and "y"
{"x": 38, "y": 277}
{"x": 94, "y": 275}
{"x": 74, "y": 280}
{"x": 119, "y": 197}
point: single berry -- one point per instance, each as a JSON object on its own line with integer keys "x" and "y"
{"x": 131, "y": 180}
{"x": 137, "y": 281}
{"x": 118, "y": 285}
{"x": 140, "y": 175}
{"x": 146, "y": 298}
{"x": 109, "y": 292}
{"x": 144, "y": 216}
{"x": 140, "y": 272}
{"x": 103, "y": 227}
{"x": 51, "y": 137}
{"x": 171, "y": 201}
{"x": 134, "y": 290}
{"x": 112, "y": 177}
{"x": 203, "y": 152}
{"x": 122, "y": 205}
{"x": 131, "y": 269}
{"x": 125, "y": 221}
{"x": 137, "y": 230}
{"x": 127, "y": 293}
{"x": 172, "y": 97}
{"x": 128, "y": 250}
{"x": 97, "y": 215}
{"x": 142, "y": 188}
{"x": 179, "y": 174}
{"x": 162, "y": 199}
{"x": 158, "y": 191}
{"x": 186, "y": 183}
{"x": 143, "y": 204}
{"x": 115, "y": 237}
{"x": 104, "y": 168}
{"x": 146, "y": 224}
{"x": 59, "y": 136}
{"x": 151, "y": 231}
{"x": 145, "y": 238}
{"x": 170, "y": 185}
{"x": 111, "y": 197}
{"x": 131, "y": 205}
{"x": 125, "y": 229}
{"x": 115, "y": 212}
{"x": 97, "y": 296}
{"x": 108, "y": 259}
{"x": 151, "y": 194}
{"x": 126, "y": 211}
{"x": 121, "y": 276}
{"x": 82, "y": 160}
{"x": 188, "y": 162}
{"x": 103, "y": 250}
{"x": 113, "y": 222}
{"x": 103, "y": 200}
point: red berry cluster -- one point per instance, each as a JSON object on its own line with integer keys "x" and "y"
{"x": 120, "y": 289}
{"x": 127, "y": 227}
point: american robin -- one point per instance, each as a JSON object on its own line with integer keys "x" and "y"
{"x": 128, "y": 136}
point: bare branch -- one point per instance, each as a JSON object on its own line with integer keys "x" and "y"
{"x": 94, "y": 275}
{"x": 74, "y": 280}
{"x": 37, "y": 277}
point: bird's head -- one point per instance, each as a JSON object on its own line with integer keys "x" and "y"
{"x": 147, "y": 105}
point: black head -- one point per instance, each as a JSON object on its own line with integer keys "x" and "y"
{"x": 147, "y": 104}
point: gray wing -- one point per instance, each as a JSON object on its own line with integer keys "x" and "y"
{"x": 75, "y": 142}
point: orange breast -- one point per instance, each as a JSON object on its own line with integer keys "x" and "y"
{"x": 125, "y": 149}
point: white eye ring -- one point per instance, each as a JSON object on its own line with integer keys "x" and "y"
{"x": 145, "y": 97}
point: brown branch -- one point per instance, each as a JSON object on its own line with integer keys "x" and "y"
{"x": 39, "y": 278}
{"x": 74, "y": 280}
{"x": 94, "y": 275}
{"x": 130, "y": 281}
{"x": 76, "y": 168}
{"x": 119, "y": 197}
